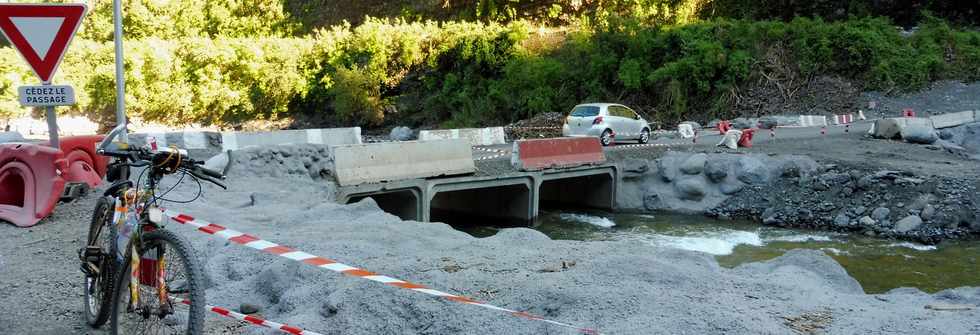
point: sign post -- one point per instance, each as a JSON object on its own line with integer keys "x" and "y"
{"x": 41, "y": 34}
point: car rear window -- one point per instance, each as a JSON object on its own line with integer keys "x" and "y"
{"x": 582, "y": 111}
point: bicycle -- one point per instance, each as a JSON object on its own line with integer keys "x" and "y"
{"x": 128, "y": 246}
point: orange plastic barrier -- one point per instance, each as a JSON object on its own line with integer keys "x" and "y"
{"x": 724, "y": 127}
{"x": 30, "y": 182}
{"x": 84, "y": 165}
{"x": 562, "y": 152}
{"x": 746, "y": 140}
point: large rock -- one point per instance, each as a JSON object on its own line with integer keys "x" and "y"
{"x": 717, "y": 169}
{"x": 666, "y": 168}
{"x": 731, "y": 188}
{"x": 633, "y": 168}
{"x": 742, "y": 123}
{"x": 920, "y": 134}
{"x": 842, "y": 220}
{"x": 752, "y": 171}
{"x": 880, "y": 214}
{"x": 928, "y": 212}
{"x": 892, "y": 128}
{"x": 690, "y": 189}
{"x": 402, "y": 134}
{"x": 768, "y": 122}
{"x": 908, "y": 224}
{"x": 694, "y": 164}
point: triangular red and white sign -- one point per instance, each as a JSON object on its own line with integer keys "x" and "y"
{"x": 41, "y": 32}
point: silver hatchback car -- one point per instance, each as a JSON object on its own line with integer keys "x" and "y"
{"x": 608, "y": 122}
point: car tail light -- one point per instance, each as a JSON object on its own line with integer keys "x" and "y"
{"x": 597, "y": 120}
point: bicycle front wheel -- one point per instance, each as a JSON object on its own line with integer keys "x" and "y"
{"x": 98, "y": 262}
{"x": 162, "y": 255}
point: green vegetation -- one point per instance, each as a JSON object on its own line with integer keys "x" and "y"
{"x": 227, "y": 63}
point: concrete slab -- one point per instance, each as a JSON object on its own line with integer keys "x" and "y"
{"x": 813, "y": 121}
{"x": 327, "y": 136}
{"x": 892, "y": 127}
{"x": 562, "y": 152}
{"x": 953, "y": 119}
{"x": 475, "y": 136}
{"x": 377, "y": 162}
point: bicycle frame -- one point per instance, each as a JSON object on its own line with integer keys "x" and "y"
{"x": 138, "y": 201}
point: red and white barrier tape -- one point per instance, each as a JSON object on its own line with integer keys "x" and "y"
{"x": 250, "y": 319}
{"x": 332, "y": 265}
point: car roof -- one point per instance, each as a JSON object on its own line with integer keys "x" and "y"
{"x": 599, "y": 104}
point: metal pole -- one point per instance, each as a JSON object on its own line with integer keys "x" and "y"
{"x": 52, "y": 125}
{"x": 120, "y": 81}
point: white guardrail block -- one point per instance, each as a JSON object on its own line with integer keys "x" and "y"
{"x": 953, "y": 119}
{"x": 378, "y": 162}
{"x": 475, "y": 136}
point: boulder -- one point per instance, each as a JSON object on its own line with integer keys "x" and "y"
{"x": 717, "y": 169}
{"x": 401, "y": 134}
{"x": 866, "y": 221}
{"x": 632, "y": 168}
{"x": 892, "y": 128}
{"x": 768, "y": 122}
{"x": 666, "y": 169}
{"x": 880, "y": 214}
{"x": 690, "y": 189}
{"x": 742, "y": 123}
{"x": 908, "y": 224}
{"x": 752, "y": 171}
{"x": 731, "y": 188}
{"x": 928, "y": 212}
{"x": 842, "y": 220}
{"x": 920, "y": 134}
{"x": 694, "y": 164}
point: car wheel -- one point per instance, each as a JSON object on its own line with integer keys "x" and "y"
{"x": 644, "y": 136}
{"x": 607, "y": 138}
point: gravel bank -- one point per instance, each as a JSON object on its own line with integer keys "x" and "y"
{"x": 621, "y": 287}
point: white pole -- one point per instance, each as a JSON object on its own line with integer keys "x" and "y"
{"x": 120, "y": 81}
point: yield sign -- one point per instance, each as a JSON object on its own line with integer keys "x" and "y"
{"x": 41, "y": 32}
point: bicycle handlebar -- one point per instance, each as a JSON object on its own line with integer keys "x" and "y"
{"x": 139, "y": 157}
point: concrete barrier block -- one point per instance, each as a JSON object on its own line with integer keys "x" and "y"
{"x": 813, "y": 121}
{"x": 953, "y": 119}
{"x": 328, "y": 136}
{"x": 892, "y": 127}
{"x": 474, "y": 136}
{"x": 378, "y": 162}
{"x": 564, "y": 152}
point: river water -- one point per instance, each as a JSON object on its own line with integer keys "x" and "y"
{"x": 878, "y": 264}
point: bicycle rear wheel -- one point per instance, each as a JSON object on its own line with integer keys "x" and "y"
{"x": 98, "y": 263}
{"x": 183, "y": 278}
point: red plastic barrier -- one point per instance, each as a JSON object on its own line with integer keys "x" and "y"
{"x": 746, "y": 139}
{"x": 30, "y": 182}
{"x": 561, "y": 152}
{"x": 84, "y": 165}
{"x": 724, "y": 127}
{"x": 908, "y": 112}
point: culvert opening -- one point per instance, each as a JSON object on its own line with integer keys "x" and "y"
{"x": 403, "y": 203}
{"x": 500, "y": 206}
{"x": 578, "y": 193}
{"x": 13, "y": 193}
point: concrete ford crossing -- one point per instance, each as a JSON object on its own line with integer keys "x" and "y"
{"x": 378, "y": 162}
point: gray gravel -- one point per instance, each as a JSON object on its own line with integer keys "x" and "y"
{"x": 619, "y": 287}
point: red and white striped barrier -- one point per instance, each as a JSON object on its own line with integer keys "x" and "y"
{"x": 250, "y": 319}
{"x": 332, "y": 265}
{"x": 843, "y": 119}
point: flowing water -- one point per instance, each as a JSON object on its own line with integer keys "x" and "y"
{"x": 878, "y": 264}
